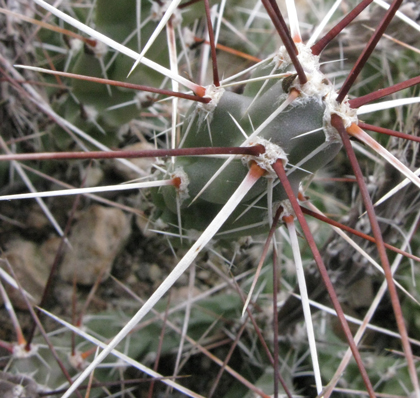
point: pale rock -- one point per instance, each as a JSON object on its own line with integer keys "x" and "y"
{"x": 182, "y": 293}
{"x": 95, "y": 241}
{"x": 144, "y": 164}
{"x": 155, "y": 273}
{"x": 145, "y": 226}
{"x": 49, "y": 249}
{"x": 94, "y": 176}
{"x": 36, "y": 218}
{"x": 30, "y": 269}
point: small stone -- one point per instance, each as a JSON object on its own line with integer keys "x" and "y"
{"x": 36, "y": 219}
{"x": 30, "y": 268}
{"x": 361, "y": 293}
{"x": 49, "y": 248}
{"x": 146, "y": 226}
{"x": 182, "y": 293}
{"x": 95, "y": 241}
{"x": 155, "y": 273}
{"x": 94, "y": 176}
{"x": 144, "y": 164}
{"x": 204, "y": 275}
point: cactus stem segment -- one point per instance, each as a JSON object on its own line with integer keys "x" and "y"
{"x": 293, "y": 95}
{"x": 121, "y": 356}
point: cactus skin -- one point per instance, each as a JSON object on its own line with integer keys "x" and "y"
{"x": 302, "y": 116}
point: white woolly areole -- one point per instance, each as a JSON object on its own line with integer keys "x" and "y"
{"x": 188, "y": 37}
{"x": 18, "y": 391}
{"x": 20, "y": 351}
{"x": 272, "y": 153}
{"x": 77, "y": 361}
{"x": 287, "y": 208}
{"x": 343, "y": 109}
{"x": 205, "y": 111}
{"x": 281, "y": 57}
{"x": 91, "y": 112}
{"x": 75, "y": 45}
{"x": 183, "y": 187}
{"x": 319, "y": 88}
{"x": 100, "y": 49}
{"x": 142, "y": 97}
{"x": 158, "y": 10}
{"x": 214, "y": 93}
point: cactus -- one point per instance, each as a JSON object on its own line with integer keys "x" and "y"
{"x": 270, "y": 134}
{"x": 284, "y": 132}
